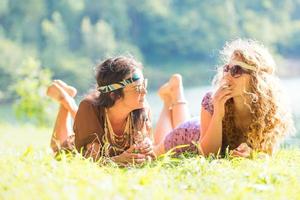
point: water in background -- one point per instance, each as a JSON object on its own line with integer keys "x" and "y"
{"x": 194, "y": 96}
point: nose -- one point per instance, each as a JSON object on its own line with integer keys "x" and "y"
{"x": 144, "y": 91}
{"x": 227, "y": 79}
{"x": 226, "y": 74}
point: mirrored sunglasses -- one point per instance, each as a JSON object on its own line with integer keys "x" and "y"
{"x": 141, "y": 87}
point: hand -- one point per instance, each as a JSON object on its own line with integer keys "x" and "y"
{"x": 220, "y": 97}
{"x": 93, "y": 150}
{"x": 243, "y": 150}
{"x": 146, "y": 148}
{"x": 129, "y": 157}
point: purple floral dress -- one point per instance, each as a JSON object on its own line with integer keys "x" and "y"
{"x": 184, "y": 137}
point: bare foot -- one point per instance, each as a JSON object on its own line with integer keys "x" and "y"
{"x": 164, "y": 93}
{"x": 56, "y": 92}
{"x": 175, "y": 82}
{"x": 176, "y": 89}
{"x": 69, "y": 89}
{"x": 172, "y": 91}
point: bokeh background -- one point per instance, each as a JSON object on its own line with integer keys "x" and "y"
{"x": 41, "y": 40}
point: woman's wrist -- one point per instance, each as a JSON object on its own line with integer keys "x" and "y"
{"x": 217, "y": 117}
{"x": 115, "y": 159}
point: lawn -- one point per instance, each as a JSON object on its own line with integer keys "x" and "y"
{"x": 29, "y": 171}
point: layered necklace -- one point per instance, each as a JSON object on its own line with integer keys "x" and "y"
{"x": 118, "y": 143}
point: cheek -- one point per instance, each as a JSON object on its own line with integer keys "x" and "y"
{"x": 132, "y": 98}
{"x": 240, "y": 86}
{"x": 247, "y": 82}
{"x": 244, "y": 84}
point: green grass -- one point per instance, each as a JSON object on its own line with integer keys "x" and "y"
{"x": 29, "y": 171}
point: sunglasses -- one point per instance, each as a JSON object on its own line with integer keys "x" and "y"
{"x": 235, "y": 71}
{"x": 141, "y": 87}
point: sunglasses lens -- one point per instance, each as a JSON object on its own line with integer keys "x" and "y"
{"x": 235, "y": 71}
{"x": 226, "y": 68}
{"x": 141, "y": 87}
{"x": 137, "y": 89}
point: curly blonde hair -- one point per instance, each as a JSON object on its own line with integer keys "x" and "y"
{"x": 271, "y": 119}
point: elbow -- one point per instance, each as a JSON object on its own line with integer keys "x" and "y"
{"x": 207, "y": 150}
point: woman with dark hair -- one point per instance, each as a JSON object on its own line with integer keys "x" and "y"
{"x": 113, "y": 121}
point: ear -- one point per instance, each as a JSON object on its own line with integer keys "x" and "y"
{"x": 114, "y": 96}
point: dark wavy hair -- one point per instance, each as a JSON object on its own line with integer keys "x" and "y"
{"x": 113, "y": 70}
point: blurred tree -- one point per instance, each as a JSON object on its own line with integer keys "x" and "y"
{"x": 22, "y": 22}
{"x": 30, "y": 86}
{"x": 99, "y": 39}
{"x": 68, "y": 36}
{"x": 12, "y": 55}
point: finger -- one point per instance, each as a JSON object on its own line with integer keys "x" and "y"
{"x": 241, "y": 149}
{"x": 152, "y": 154}
{"x": 217, "y": 93}
{"x": 225, "y": 86}
{"x": 131, "y": 148}
{"x": 145, "y": 146}
{"x": 223, "y": 93}
{"x": 139, "y": 161}
{"x": 235, "y": 153}
{"x": 149, "y": 158}
{"x": 226, "y": 98}
{"x": 147, "y": 141}
{"x": 239, "y": 154}
{"x": 146, "y": 151}
{"x": 244, "y": 148}
{"x": 137, "y": 155}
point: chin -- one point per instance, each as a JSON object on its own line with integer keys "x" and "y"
{"x": 142, "y": 104}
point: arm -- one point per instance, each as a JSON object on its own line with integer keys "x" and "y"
{"x": 211, "y": 133}
{"x": 146, "y": 147}
{"x": 211, "y": 123}
{"x": 125, "y": 158}
{"x": 86, "y": 127}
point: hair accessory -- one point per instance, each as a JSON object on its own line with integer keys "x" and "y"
{"x": 177, "y": 103}
{"x": 243, "y": 65}
{"x": 118, "y": 85}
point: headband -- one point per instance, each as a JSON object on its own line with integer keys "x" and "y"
{"x": 243, "y": 65}
{"x": 118, "y": 85}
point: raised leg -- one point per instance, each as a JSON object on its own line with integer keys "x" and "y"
{"x": 68, "y": 109}
{"x": 174, "y": 112}
{"x": 164, "y": 123}
{"x": 179, "y": 108}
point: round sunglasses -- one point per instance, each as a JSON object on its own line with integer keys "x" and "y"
{"x": 235, "y": 71}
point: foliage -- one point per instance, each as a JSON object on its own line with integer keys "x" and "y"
{"x": 30, "y": 87}
{"x": 70, "y": 36}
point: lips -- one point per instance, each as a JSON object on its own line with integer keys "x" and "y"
{"x": 142, "y": 100}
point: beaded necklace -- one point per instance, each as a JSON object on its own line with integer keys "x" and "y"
{"x": 118, "y": 143}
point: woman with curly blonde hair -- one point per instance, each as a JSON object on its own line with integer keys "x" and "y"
{"x": 245, "y": 112}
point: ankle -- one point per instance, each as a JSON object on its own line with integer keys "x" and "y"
{"x": 177, "y": 103}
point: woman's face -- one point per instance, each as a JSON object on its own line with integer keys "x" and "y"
{"x": 236, "y": 77}
{"x": 135, "y": 93}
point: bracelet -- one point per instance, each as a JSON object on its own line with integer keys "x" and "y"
{"x": 177, "y": 103}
